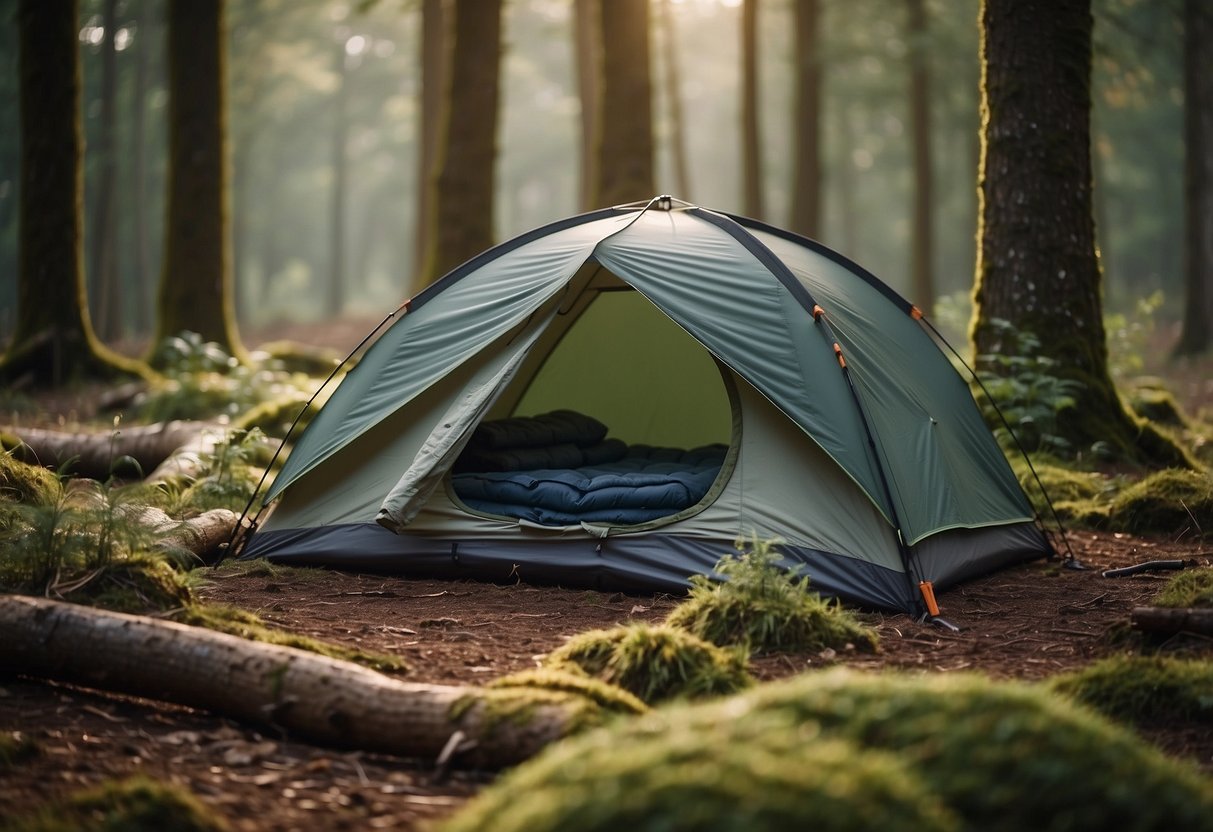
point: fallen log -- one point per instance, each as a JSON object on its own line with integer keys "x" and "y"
{"x": 301, "y": 694}
{"x": 202, "y": 535}
{"x": 95, "y": 455}
{"x": 1172, "y": 620}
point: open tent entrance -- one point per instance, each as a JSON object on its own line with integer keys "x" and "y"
{"x": 617, "y": 417}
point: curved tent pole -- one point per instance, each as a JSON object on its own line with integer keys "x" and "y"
{"x": 1072, "y": 561}
{"x": 238, "y": 533}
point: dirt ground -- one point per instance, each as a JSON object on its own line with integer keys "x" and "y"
{"x": 1027, "y": 622}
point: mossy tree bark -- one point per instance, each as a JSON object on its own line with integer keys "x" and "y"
{"x": 467, "y": 148}
{"x": 196, "y": 291}
{"x": 922, "y": 276}
{"x": 624, "y": 169}
{"x": 1197, "y": 334}
{"x": 806, "y": 127}
{"x": 751, "y": 144}
{"x": 1037, "y": 266}
{"x": 53, "y": 340}
{"x": 304, "y": 694}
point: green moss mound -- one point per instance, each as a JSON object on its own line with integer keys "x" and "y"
{"x": 1143, "y": 689}
{"x": 24, "y": 483}
{"x": 766, "y": 608}
{"x": 1159, "y": 406}
{"x": 656, "y": 664}
{"x": 138, "y": 804}
{"x": 1165, "y": 502}
{"x": 1002, "y": 756}
{"x": 275, "y": 417}
{"x": 606, "y": 696}
{"x": 680, "y": 775}
{"x": 1190, "y": 588}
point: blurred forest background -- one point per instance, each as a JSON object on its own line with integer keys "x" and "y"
{"x": 324, "y": 125}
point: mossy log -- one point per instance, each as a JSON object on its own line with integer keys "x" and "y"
{"x": 1172, "y": 620}
{"x": 304, "y": 695}
{"x": 202, "y": 535}
{"x": 165, "y": 450}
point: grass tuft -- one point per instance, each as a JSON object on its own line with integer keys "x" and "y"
{"x": 1189, "y": 588}
{"x": 766, "y": 608}
{"x": 1143, "y": 689}
{"x": 655, "y": 664}
{"x": 137, "y": 804}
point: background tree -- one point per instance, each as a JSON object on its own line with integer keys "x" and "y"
{"x": 751, "y": 145}
{"x": 103, "y": 279}
{"x": 806, "y": 131}
{"x": 624, "y": 169}
{"x": 1037, "y": 266}
{"x": 196, "y": 281}
{"x": 922, "y": 226}
{"x": 673, "y": 100}
{"x": 587, "y": 61}
{"x": 53, "y": 339}
{"x": 1197, "y": 333}
{"x": 466, "y": 162}
{"x": 435, "y": 43}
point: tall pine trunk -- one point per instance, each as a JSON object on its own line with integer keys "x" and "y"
{"x": 103, "y": 277}
{"x": 751, "y": 134}
{"x": 341, "y": 132}
{"x": 1037, "y": 266}
{"x": 466, "y": 164}
{"x": 587, "y": 58}
{"x": 196, "y": 281}
{"x": 673, "y": 99}
{"x": 1197, "y": 333}
{"x": 624, "y": 169}
{"x": 435, "y": 44}
{"x": 922, "y": 277}
{"x": 53, "y": 340}
{"x": 806, "y": 135}
{"x": 141, "y": 256}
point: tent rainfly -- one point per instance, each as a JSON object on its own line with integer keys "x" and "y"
{"x": 614, "y": 399}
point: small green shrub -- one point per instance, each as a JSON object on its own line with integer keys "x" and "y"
{"x": 1190, "y": 588}
{"x": 766, "y": 608}
{"x": 671, "y": 775}
{"x": 1143, "y": 689}
{"x": 230, "y": 474}
{"x": 655, "y": 664}
{"x": 138, "y": 804}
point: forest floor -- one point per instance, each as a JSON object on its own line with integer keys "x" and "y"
{"x": 1027, "y": 622}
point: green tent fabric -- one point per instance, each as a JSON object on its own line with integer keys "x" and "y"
{"x": 801, "y": 340}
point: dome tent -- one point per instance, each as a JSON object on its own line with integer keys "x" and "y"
{"x": 827, "y": 416}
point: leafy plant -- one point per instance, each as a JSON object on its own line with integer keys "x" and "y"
{"x": 229, "y": 478}
{"x": 766, "y": 607}
{"x": 1027, "y": 390}
{"x": 654, "y": 663}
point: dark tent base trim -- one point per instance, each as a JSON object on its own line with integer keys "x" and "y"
{"x": 642, "y": 563}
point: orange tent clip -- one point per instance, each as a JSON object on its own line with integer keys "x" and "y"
{"x": 916, "y": 313}
{"x": 842, "y": 362}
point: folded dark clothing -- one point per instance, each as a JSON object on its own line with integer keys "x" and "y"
{"x": 556, "y": 428}
{"x": 567, "y": 455}
{"x": 608, "y": 450}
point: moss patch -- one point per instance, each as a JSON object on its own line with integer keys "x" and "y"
{"x": 1143, "y": 689}
{"x": 24, "y": 483}
{"x": 1159, "y": 406}
{"x": 1166, "y": 502}
{"x": 245, "y": 624}
{"x": 655, "y": 664}
{"x": 678, "y": 775}
{"x": 1190, "y": 588}
{"x": 138, "y": 804}
{"x": 766, "y": 608}
{"x": 609, "y": 697}
{"x": 16, "y": 748}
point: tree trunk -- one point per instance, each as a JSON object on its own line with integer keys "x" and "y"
{"x": 1197, "y": 334}
{"x": 196, "y": 281}
{"x": 141, "y": 260}
{"x": 624, "y": 170}
{"x": 435, "y": 44}
{"x": 751, "y": 134}
{"x": 463, "y": 198}
{"x": 341, "y": 133}
{"x": 806, "y": 135}
{"x": 1172, "y": 620}
{"x": 587, "y": 58}
{"x": 1037, "y": 266}
{"x": 161, "y": 451}
{"x": 53, "y": 340}
{"x": 103, "y": 278}
{"x": 303, "y": 694}
{"x": 673, "y": 96}
{"x": 922, "y": 270}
